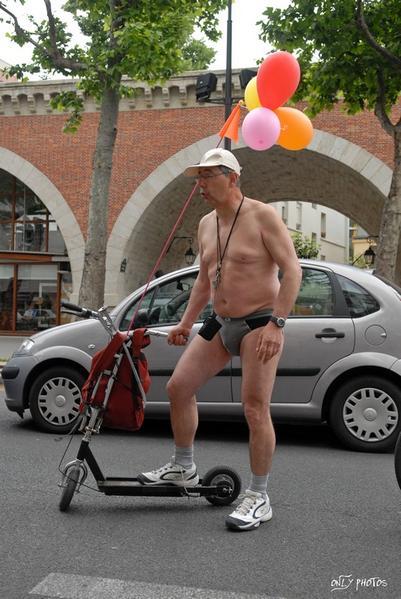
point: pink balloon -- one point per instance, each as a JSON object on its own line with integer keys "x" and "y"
{"x": 260, "y": 129}
{"x": 277, "y": 79}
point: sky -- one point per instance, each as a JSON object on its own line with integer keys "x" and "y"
{"x": 246, "y": 46}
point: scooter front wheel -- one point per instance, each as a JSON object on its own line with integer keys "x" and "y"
{"x": 71, "y": 479}
{"x": 227, "y": 478}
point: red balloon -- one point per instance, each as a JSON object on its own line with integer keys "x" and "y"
{"x": 277, "y": 79}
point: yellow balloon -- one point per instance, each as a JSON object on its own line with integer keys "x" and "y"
{"x": 251, "y": 95}
{"x": 296, "y": 129}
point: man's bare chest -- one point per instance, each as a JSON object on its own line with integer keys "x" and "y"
{"x": 243, "y": 246}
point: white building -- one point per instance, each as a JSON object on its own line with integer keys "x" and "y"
{"x": 327, "y": 227}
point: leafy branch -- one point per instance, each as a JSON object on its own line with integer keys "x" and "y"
{"x": 363, "y": 26}
{"x": 53, "y": 53}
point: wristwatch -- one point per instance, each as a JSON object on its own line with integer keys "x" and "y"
{"x": 279, "y": 321}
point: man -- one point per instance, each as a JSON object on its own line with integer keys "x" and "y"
{"x": 242, "y": 245}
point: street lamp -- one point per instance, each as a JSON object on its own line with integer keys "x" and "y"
{"x": 206, "y": 83}
{"x": 189, "y": 254}
{"x": 228, "y": 98}
{"x": 369, "y": 256}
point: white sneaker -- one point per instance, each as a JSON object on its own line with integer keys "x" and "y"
{"x": 171, "y": 474}
{"x": 254, "y": 509}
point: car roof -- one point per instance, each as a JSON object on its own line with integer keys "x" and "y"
{"x": 359, "y": 275}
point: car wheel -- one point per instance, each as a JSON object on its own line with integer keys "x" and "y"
{"x": 55, "y": 397}
{"x": 365, "y": 414}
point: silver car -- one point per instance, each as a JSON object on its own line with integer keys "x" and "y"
{"x": 341, "y": 362}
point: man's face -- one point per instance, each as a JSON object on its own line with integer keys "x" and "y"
{"x": 214, "y": 184}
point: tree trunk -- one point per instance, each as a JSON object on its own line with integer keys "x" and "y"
{"x": 387, "y": 251}
{"x": 91, "y": 293}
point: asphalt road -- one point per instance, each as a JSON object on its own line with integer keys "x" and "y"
{"x": 336, "y": 524}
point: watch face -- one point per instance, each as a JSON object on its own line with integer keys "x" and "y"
{"x": 278, "y": 321}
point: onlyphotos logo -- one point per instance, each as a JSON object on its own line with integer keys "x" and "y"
{"x": 346, "y": 581}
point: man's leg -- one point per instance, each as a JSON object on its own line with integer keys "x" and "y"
{"x": 257, "y": 385}
{"x": 200, "y": 362}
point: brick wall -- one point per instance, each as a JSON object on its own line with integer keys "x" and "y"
{"x": 145, "y": 139}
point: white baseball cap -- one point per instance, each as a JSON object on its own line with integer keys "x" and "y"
{"x": 215, "y": 157}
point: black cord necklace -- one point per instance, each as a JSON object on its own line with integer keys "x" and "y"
{"x": 220, "y": 255}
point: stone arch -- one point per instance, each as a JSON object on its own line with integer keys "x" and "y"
{"x": 351, "y": 181}
{"x": 48, "y": 193}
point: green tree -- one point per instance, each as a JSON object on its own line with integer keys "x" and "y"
{"x": 143, "y": 40}
{"x": 305, "y": 247}
{"x": 350, "y": 53}
{"x": 197, "y": 55}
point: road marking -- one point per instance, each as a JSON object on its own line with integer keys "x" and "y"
{"x": 71, "y": 586}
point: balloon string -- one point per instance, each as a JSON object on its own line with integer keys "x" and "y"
{"x": 166, "y": 246}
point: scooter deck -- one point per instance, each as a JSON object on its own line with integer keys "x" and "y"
{"x": 131, "y": 486}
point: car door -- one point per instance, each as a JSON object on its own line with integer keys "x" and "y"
{"x": 163, "y": 306}
{"x": 318, "y": 333}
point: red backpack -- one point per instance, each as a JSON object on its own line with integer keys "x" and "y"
{"x": 111, "y": 376}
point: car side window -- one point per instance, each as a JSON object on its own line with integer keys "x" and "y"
{"x": 145, "y": 305}
{"x": 316, "y": 294}
{"x": 359, "y": 301}
{"x": 166, "y": 303}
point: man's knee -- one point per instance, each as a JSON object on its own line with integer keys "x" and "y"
{"x": 172, "y": 388}
{"x": 177, "y": 390}
{"x": 257, "y": 412}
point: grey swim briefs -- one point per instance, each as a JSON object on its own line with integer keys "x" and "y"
{"x": 233, "y": 330}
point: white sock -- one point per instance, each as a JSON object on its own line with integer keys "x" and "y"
{"x": 258, "y": 484}
{"x": 184, "y": 456}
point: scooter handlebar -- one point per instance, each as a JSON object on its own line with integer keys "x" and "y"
{"x": 78, "y": 310}
{"x": 155, "y": 333}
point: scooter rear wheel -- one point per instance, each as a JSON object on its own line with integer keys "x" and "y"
{"x": 71, "y": 481}
{"x": 224, "y": 477}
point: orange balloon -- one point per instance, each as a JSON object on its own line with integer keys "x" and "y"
{"x": 296, "y": 129}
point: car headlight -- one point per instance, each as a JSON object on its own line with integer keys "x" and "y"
{"x": 25, "y": 347}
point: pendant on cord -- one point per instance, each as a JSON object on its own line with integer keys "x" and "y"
{"x": 220, "y": 254}
{"x": 217, "y": 278}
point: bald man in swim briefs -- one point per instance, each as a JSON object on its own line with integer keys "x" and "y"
{"x": 242, "y": 245}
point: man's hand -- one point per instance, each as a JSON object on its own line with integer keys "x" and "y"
{"x": 178, "y": 335}
{"x": 269, "y": 342}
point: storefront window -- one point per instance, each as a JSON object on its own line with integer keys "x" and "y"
{"x": 6, "y": 210}
{"x": 5, "y": 235}
{"x": 36, "y": 297}
{"x": 6, "y": 296}
{"x": 34, "y": 268}
{"x": 25, "y": 223}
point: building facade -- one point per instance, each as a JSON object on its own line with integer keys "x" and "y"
{"x": 45, "y": 181}
{"x": 324, "y": 226}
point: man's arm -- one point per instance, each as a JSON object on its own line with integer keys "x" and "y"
{"x": 280, "y": 246}
{"x": 198, "y": 299}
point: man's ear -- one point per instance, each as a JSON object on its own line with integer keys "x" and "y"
{"x": 233, "y": 179}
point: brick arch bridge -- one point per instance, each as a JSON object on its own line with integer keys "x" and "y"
{"x": 347, "y": 167}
